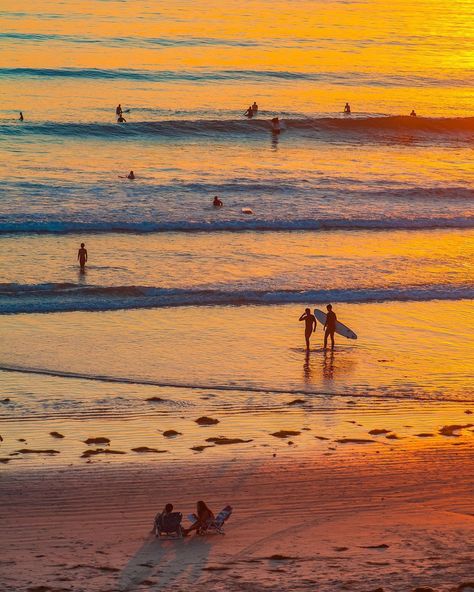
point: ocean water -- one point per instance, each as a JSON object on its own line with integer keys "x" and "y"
{"x": 373, "y": 212}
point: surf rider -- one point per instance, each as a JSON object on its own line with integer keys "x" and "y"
{"x": 118, "y": 110}
{"x": 329, "y": 326}
{"x": 249, "y": 112}
{"x": 21, "y": 116}
{"x": 310, "y": 325}
{"x": 255, "y": 107}
{"x": 131, "y": 176}
{"x": 413, "y": 113}
{"x": 217, "y": 202}
{"x": 121, "y": 119}
{"x": 347, "y": 109}
{"x": 82, "y": 256}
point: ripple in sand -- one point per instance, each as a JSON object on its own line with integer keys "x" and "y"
{"x": 424, "y": 435}
{"x": 100, "y": 440}
{"x": 285, "y": 433}
{"x": 223, "y": 440}
{"x": 146, "y": 449}
{"x": 37, "y": 451}
{"x": 450, "y": 429}
{"x": 201, "y": 448}
{"x": 90, "y": 452}
{"x": 355, "y": 441}
{"x": 206, "y": 420}
{"x": 171, "y": 434}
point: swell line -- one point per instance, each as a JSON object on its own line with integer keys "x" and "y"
{"x": 207, "y": 386}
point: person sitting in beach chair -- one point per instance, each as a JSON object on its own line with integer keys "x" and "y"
{"x": 168, "y": 522}
{"x": 205, "y": 522}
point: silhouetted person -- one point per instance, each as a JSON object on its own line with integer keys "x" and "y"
{"x": 203, "y": 516}
{"x": 82, "y": 256}
{"x": 276, "y": 125}
{"x": 249, "y": 112}
{"x": 217, "y": 202}
{"x": 21, "y": 116}
{"x": 121, "y": 119}
{"x": 131, "y": 175}
{"x": 118, "y": 110}
{"x": 347, "y": 109}
{"x": 255, "y": 107}
{"x": 310, "y": 325}
{"x": 413, "y": 114}
{"x": 329, "y": 326}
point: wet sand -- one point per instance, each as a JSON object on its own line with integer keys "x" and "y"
{"x": 328, "y": 494}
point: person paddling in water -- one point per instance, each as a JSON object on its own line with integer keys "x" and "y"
{"x": 329, "y": 326}
{"x": 82, "y": 256}
{"x": 310, "y": 325}
{"x": 217, "y": 202}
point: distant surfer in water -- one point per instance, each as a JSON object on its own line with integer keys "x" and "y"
{"x": 249, "y": 112}
{"x": 255, "y": 107}
{"x": 131, "y": 176}
{"x": 118, "y": 110}
{"x": 21, "y": 116}
{"x": 217, "y": 202}
{"x": 329, "y": 326}
{"x": 347, "y": 109}
{"x": 82, "y": 256}
{"x": 121, "y": 119}
{"x": 413, "y": 114}
{"x": 310, "y": 325}
{"x": 276, "y": 126}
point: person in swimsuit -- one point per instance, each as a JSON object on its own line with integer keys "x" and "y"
{"x": 118, "y": 110}
{"x": 121, "y": 119}
{"x": 255, "y": 107}
{"x": 131, "y": 176}
{"x": 82, "y": 256}
{"x": 413, "y": 113}
{"x": 310, "y": 325}
{"x": 217, "y": 202}
{"x": 249, "y": 112}
{"x": 329, "y": 326}
{"x": 347, "y": 109}
{"x": 21, "y": 116}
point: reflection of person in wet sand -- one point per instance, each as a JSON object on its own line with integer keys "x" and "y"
{"x": 328, "y": 365}
{"x": 82, "y": 256}
{"x": 329, "y": 326}
{"x": 310, "y": 325}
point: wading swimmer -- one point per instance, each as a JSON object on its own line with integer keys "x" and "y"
{"x": 82, "y": 256}
{"x": 276, "y": 125}
{"x": 255, "y": 107}
{"x": 121, "y": 119}
{"x": 347, "y": 109}
{"x": 413, "y": 113}
{"x": 118, "y": 110}
{"x": 329, "y": 326}
{"x": 217, "y": 202}
{"x": 21, "y": 116}
{"x": 310, "y": 325}
{"x": 249, "y": 112}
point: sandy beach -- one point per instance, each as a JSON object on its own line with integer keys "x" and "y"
{"x": 360, "y": 494}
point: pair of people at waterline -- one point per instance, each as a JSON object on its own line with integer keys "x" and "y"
{"x": 310, "y": 326}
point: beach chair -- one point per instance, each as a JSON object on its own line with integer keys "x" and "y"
{"x": 213, "y": 526}
{"x": 168, "y": 525}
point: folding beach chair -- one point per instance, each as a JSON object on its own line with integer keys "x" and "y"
{"x": 213, "y": 526}
{"x": 168, "y": 525}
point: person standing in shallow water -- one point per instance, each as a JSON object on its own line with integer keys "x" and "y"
{"x": 310, "y": 325}
{"x": 82, "y": 256}
{"x": 329, "y": 326}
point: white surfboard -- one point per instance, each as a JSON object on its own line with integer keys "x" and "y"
{"x": 247, "y": 211}
{"x": 340, "y": 328}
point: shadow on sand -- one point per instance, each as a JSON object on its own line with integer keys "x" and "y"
{"x": 165, "y": 561}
